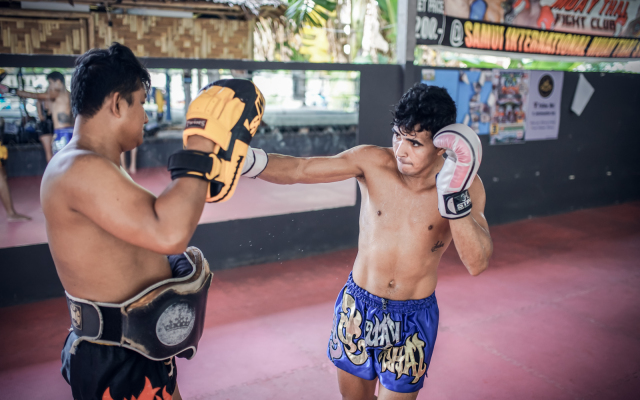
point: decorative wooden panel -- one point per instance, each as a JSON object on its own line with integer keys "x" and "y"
{"x": 175, "y": 37}
{"x": 43, "y": 36}
{"x": 146, "y": 36}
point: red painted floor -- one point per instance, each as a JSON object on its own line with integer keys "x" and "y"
{"x": 557, "y": 316}
{"x": 253, "y": 198}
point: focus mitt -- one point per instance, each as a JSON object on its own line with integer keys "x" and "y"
{"x": 227, "y": 112}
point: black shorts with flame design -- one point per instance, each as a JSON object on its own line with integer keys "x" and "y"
{"x": 103, "y": 372}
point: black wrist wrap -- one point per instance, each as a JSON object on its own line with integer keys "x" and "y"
{"x": 458, "y": 204}
{"x": 192, "y": 164}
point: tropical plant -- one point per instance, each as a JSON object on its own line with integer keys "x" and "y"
{"x": 389, "y": 15}
{"x": 312, "y": 13}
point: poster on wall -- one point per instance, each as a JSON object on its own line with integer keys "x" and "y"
{"x": 545, "y": 95}
{"x": 470, "y": 90}
{"x": 578, "y": 28}
{"x": 512, "y": 106}
{"x": 509, "y": 113}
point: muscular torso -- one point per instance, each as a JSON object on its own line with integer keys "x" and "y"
{"x": 402, "y": 235}
{"x": 60, "y": 110}
{"x": 92, "y": 263}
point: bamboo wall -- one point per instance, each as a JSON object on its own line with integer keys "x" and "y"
{"x": 43, "y": 36}
{"x": 147, "y": 36}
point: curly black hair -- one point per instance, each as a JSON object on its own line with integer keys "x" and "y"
{"x": 431, "y": 107}
{"x": 101, "y": 72}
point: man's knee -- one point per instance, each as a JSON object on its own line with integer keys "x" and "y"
{"x": 355, "y": 388}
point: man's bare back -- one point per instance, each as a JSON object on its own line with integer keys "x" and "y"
{"x": 109, "y": 237}
{"x": 92, "y": 263}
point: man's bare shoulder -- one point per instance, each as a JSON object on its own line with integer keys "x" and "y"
{"x": 77, "y": 166}
{"x": 370, "y": 155}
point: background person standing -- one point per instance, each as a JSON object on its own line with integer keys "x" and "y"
{"x": 59, "y": 100}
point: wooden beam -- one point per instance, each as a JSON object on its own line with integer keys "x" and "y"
{"x": 42, "y": 14}
{"x": 201, "y": 5}
{"x": 92, "y": 31}
{"x": 222, "y": 10}
{"x": 252, "y": 28}
{"x": 58, "y": 21}
{"x": 196, "y": 7}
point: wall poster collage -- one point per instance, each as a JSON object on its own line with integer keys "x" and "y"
{"x": 512, "y": 106}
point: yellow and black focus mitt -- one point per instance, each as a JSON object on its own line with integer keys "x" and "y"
{"x": 227, "y": 112}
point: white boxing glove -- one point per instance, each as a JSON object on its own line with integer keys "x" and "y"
{"x": 255, "y": 163}
{"x": 464, "y": 154}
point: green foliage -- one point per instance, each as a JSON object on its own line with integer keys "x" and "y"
{"x": 389, "y": 13}
{"x": 309, "y": 12}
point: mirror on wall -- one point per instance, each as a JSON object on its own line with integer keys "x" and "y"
{"x": 308, "y": 113}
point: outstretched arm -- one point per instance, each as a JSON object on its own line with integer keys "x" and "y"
{"x": 287, "y": 170}
{"x": 49, "y": 95}
{"x": 471, "y": 233}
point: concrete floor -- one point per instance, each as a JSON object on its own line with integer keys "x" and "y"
{"x": 556, "y": 316}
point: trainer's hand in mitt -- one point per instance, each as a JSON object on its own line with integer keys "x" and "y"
{"x": 227, "y": 112}
{"x": 464, "y": 154}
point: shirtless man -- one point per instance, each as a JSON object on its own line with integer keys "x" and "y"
{"x": 58, "y": 100}
{"x": 386, "y": 317}
{"x": 110, "y": 237}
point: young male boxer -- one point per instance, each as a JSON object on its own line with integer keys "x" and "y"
{"x": 132, "y": 308}
{"x": 414, "y": 202}
{"x": 58, "y": 101}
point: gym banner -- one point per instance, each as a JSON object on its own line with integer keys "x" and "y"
{"x": 439, "y": 29}
{"x": 619, "y": 18}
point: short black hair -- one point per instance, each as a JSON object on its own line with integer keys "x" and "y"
{"x": 56, "y": 76}
{"x": 429, "y": 106}
{"x": 101, "y": 72}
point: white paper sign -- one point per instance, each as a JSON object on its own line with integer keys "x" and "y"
{"x": 545, "y": 97}
{"x": 583, "y": 94}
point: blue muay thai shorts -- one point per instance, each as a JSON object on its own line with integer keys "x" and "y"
{"x": 61, "y": 137}
{"x": 388, "y": 339}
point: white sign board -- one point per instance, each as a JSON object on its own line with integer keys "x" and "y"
{"x": 545, "y": 96}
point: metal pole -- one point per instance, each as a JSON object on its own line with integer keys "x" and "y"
{"x": 406, "y": 39}
{"x": 168, "y": 96}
